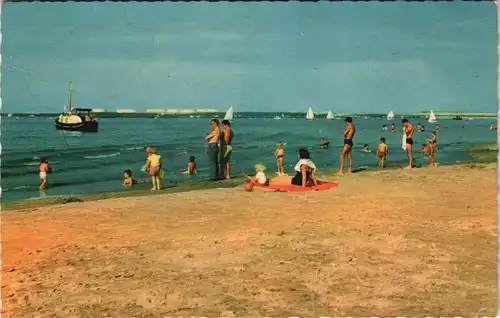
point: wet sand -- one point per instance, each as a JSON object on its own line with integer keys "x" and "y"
{"x": 389, "y": 243}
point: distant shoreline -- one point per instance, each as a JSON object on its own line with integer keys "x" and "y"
{"x": 482, "y": 153}
{"x": 301, "y": 115}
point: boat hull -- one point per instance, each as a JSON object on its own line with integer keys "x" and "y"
{"x": 89, "y": 126}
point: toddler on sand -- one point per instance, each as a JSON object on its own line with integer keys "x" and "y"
{"x": 260, "y": 177}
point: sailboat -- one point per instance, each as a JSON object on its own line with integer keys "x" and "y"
{"x": 229, "y": 114}
{"x": 310, "y": 114}
{"x": 432, "y": 117}
{"x": 330, "y": 115}
{"x": 390, "y": 115}
{"x": 77, "y": 119}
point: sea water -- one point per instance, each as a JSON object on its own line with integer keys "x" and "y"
{"x": 94, "y": 162}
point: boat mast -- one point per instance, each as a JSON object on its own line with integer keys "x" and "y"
{"x": 70, "y": 95}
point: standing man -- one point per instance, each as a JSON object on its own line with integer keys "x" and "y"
{"x": 213, "y": 149}
{"x": 408, "y": 130}
{"x": 349, "y": 132}
{"x": 225, "y": 149}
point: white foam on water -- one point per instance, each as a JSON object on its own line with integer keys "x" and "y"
{"x": 102, "y": 156}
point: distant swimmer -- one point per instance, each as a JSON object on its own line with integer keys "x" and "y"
{"x": 279, "y": 153}
{"x": 324, "y": 144}
{"x": 419, "y": 127}
{"x": 365, "y": 148}
{"x": 191, "y": 167}
{"x": 44, "y": 170}
{"x": 493, "y": 126}
{"x": 393, "y": 128}
{"x": 349, "y": 133}
{"x": 408, "y": 131}
{"x": 382, "y": 151}
{"x": 384, "y": 128}
{"x": 437, "y": 127}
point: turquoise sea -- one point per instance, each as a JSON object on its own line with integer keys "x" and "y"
{"x": 94, "y": 162}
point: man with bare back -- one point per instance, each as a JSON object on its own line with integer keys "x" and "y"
{"x": 349, "y": 132}
{"x": 408, "y": 130}
{"x": 213, "y": 149}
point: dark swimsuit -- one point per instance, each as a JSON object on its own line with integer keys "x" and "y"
{"x": 297, "y": 179}
{"x": 348, "y": 142}
{"x": 409, "y": 141}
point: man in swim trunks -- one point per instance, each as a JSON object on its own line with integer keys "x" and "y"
{"x": 226, "y": 149}
{"x": 349, "y": 132}
{"x": 409, "y": 130}
{"x": 393, "y": 128}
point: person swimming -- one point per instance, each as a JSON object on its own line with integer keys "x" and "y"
{"x": 365, "y": 148}
{"x": 324, "y": 144}
{"x": 191, "y": 167}
{"x": 384, "y": 128}
{"x": 128, "y": 181}
{"x": 393, "y": 127}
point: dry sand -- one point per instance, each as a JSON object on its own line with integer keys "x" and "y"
{"x": 389, "y": 243}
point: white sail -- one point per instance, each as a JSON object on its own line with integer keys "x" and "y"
{"x": 310, "y": 114}
{"x": 330, "y": 115}
{"x": 229, "y": 114}
{"x": 432, "y": 117}
{"x": 390, "y": 115}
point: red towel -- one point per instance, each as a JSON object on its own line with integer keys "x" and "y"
{"x": 322, "y": 185}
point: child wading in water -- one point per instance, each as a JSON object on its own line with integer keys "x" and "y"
{"x": 279, "y": 153}
{"x": 191, "y": 167}
{"x": 382, "y": 151}
{"x": 153, "y": 164}
{"x": 431, "y": 151}
{"x": 44, "y": 169}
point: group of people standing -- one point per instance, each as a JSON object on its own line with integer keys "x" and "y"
{"x": 219, "y": 149}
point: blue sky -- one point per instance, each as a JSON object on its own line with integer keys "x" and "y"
{"x": 343, "y": 56}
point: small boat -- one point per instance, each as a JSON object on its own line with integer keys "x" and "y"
{"x": 9, "y": 115}
{"x": 310, "y": 114}
{"x": 76, "y": 119}
{"x": 390, "y": 115}
{"x": 330, "y": 115}
{"x": 229, "y": 114}
{"x": 457, "y": 118}
{"x": 432, "y": 118}
{"x": 277, "y": 117}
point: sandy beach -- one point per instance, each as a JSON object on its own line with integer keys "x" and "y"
{"x": 388, "y": 243}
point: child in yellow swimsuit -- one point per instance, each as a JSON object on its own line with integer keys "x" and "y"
{"x": 153, "y": 165}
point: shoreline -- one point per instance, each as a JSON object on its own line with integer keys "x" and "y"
{"x": 481, "y": 153}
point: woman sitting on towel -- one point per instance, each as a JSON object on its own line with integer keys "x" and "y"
{"x": 305, "y": 172}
